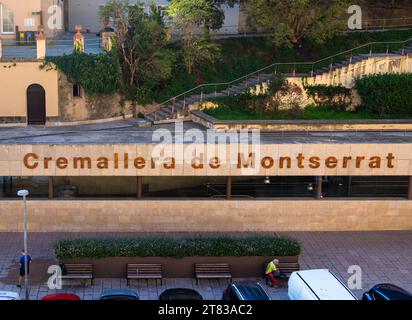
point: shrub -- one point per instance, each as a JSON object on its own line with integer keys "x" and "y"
{"x": 386, "y": 94}
{"x": 333, "y": 96}
{"x": 178, "y": 248}
{"x": 97, "y": 74}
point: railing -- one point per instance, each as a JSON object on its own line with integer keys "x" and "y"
{"x": 54, "y": 47}
{"x": 291, "y": 68}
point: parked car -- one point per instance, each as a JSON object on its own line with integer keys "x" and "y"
{"x": 245, "y": 291}
{"x": 119, "y": 295}
{"x": 320, "y": 284}
{"x": 61, "y": 297}
{"x": 9, "y": 295}
{"x": 387, "y": 291}
{"x": 180, "y": 294}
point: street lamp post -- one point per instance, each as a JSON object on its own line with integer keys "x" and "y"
{"x": 24, "y": 193}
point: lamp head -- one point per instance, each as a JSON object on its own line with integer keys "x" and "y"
{"x": 23, "y": 193}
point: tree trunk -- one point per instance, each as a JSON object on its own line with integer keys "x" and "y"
{"x": 134, "y": 108}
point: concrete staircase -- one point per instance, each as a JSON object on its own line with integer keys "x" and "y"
{"x": 178, "y": 107}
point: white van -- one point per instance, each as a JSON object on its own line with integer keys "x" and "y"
{"x": 319, "y": 284}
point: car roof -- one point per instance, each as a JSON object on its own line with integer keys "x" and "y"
{"x": 392, "y": 291}
{"x": 61, "y": 296}
{"x": 119, "y": 292}
{"x": 325, "y": 285}
{"x": 9, "y": 295}
{"x": 251, "y": 291}
{"x": 180, "y": 293}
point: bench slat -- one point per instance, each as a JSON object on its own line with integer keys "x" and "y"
{"x": 212, "y": 271}
{"x": 144, "y": 271}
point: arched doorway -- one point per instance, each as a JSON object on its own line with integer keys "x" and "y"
{"x": 36, "y": 105}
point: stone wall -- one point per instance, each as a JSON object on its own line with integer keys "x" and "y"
{"x": 86, "y": 107}
{"x": 207, "y": 216}
{"x": 300, "y": 125}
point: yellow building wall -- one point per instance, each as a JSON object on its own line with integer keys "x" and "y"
{"x": 15, "y": 78}
{"x": 207, "y": 216}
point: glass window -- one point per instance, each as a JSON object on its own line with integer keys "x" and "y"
{"x": 273, "y": 187}
{"x": 7, "y": 19}
{"x": 94, "y": 187}
{"x": 379, "y": 187}
{"x": 366, "y": 187}
{"x": 37, "y": 186}
{"x": 184, "y": 187}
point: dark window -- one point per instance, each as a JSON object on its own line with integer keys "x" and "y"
{"x": 94, "y": 187}
{"x": 273, "y": 187}
{"x": 37, "y": 186}
{"x": 184, "y": 187}
{"x": 367, "y": 187}
{"x": 76, "y": 90}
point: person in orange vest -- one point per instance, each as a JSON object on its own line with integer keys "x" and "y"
{"x": 272, "y": 272}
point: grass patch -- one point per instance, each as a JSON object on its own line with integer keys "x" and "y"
{"x": 309, "y": 113}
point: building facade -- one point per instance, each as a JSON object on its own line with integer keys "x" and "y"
{"x": 21, "y": 22}
{"x": 87, "y": 14}
{"x": 97, "y": 184}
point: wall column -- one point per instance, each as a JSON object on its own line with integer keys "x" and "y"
{"x": 1, "y": 49}
{"x": 51, "y": 187}
{"x": 41, "y": 44}
{"x": 139, "y": 190}
{"x": 410, "y": 188}
{"x": 228, "y": 188}
{"x": 318, "y": 192}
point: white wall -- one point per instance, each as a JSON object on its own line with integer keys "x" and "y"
{"x": 86, "y": 13}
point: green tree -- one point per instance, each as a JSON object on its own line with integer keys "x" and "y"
{"x": 141, "y": 45}
{"x": 188, "y": 16}
{"x": 289, "y": 21}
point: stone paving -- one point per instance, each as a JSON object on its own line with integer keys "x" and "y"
{"x": 383, "y": 257}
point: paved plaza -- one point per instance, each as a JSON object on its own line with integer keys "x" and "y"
{"x": 383, "y": 257}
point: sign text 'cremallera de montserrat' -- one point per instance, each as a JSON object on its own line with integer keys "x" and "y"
{"x": 241, "y": 161}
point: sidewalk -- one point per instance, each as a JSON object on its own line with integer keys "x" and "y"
{"x": 383, "y": 257}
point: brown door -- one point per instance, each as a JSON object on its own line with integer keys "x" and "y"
{"x": 36, "y": 105}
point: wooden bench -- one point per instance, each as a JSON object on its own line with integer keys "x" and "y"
{"x": 135, "y": 271}
{"x": 288, "y": 267}
{"x": 77, "y": 271}
{"x": 285, "y": 267}
{"x": 212, "y": 271}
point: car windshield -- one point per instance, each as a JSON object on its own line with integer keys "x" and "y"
{"x": 119, "y": 297}
{"x": 180, "y": 294}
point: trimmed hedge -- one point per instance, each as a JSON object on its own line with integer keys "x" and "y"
{"x": 386, "y": 94}
{"x": 178, "y": 248}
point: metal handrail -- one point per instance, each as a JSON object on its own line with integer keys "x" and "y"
{"x": 311, "y": 63}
